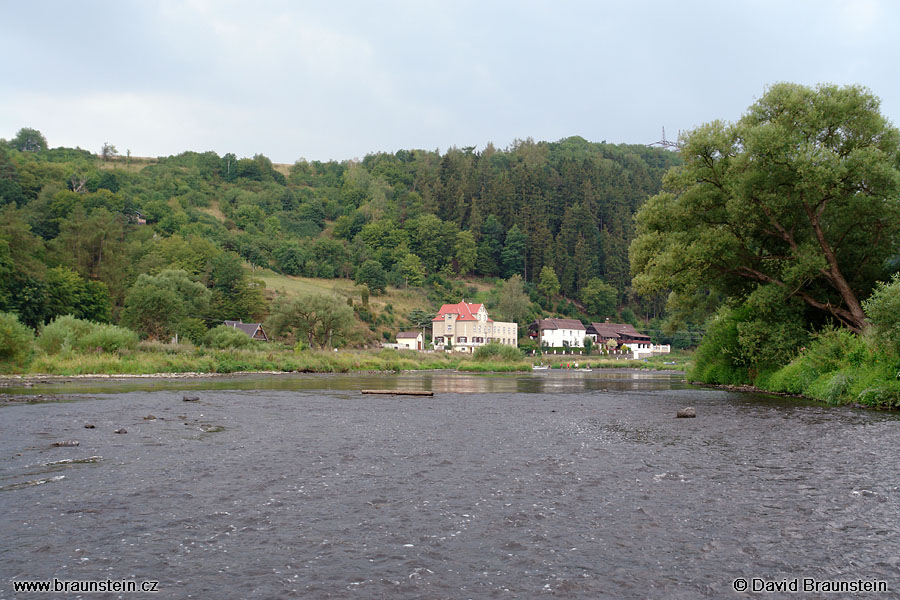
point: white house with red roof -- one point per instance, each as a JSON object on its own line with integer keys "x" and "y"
{"x": 466, "y": 326}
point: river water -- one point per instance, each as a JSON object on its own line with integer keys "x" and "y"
{"x": 559, "y": 484}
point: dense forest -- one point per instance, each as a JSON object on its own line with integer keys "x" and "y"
{"x": 79, "y": 229}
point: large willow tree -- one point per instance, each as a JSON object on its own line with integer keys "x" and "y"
{"x": 801, "y": 195}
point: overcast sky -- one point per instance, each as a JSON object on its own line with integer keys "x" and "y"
{"x": 323, "y": 80}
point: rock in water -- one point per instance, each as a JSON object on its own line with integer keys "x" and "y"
{"x": 123, "y": 430}
{"x": 687, "y": 413}
{"x": 64, "y": 444}
{"x": 191, "y": 398}
{"x": 149, "y": 418}
{"x": 88, "y": 425}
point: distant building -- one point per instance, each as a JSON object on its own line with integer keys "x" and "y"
{"x": 616, "y": 335}
{"x": 558, "y": 333}
{"x": 466, "y": 326}
{"x": 410, "y": 340}
{"x": 254, "y": 330}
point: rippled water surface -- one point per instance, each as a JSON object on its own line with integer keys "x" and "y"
{"x": 579, "y": 484}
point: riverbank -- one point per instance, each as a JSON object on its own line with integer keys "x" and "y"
{"x": 173, "y": 360}
{"x": 837, "y": 367}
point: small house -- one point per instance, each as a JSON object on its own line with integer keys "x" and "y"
{"x": 254, "y": 330}
{"x": 410, "y": 340}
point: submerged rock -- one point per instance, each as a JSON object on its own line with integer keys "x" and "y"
{"x": 191, "y": 398}
{"x": 687, "y": 413}
{"x": 65, "y": 444}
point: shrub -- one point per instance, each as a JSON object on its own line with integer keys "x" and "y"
{"x": 498, "y": 352}
{"x": 15, "y": 340}
{"x": 68, "y": 333}
{"x": 62, "y": 333}
{"x": 886, "y": 396}
{"x": 224, "y": 336}
{"x": 837, "y": 388}
{"x": 109, "y": 338}
{"x": 883, "y": 310}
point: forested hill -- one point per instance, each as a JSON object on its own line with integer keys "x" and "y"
{"x": 417, "y": 214}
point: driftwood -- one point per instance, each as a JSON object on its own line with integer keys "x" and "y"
{"x": 400, "y": 392}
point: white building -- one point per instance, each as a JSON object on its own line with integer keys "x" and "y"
{"x": 410, "y": 340}
{"x": 558, "y": 333}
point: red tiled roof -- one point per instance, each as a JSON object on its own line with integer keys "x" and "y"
{"x": 465, "y": 311}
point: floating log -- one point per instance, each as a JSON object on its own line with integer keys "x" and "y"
{"x": 400, "y": 392}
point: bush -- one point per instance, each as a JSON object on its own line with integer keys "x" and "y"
{"x": 224, "y": 336}
{"x": 16, "y": 340}
{"x": 67, "y": 333}
{"x": 498, "y": 352}
{"x": 109, "y": 338}
{"x": 62, "y": 334}
{"x": 883, "y": 310}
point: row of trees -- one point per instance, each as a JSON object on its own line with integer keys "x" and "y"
{"x": 81, "y": 236}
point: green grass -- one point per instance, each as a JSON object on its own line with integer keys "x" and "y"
{"x": 156, "y": 358}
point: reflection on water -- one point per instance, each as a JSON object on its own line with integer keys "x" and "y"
{"x": 561, "y": 381}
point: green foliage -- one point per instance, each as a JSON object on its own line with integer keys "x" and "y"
{"x": 104, "y": 337}
{"x": 800, "y": 194}
{"x": 372, "y": 275}
{"x": 883, "y": 310}
{"x": 840, "y": 368}
{"x": 758, "y": 336}
{"x": 69, "y": 294}
{"x": 513, "y": 255}
{"x": 718, "y": 358}
{"x": 412, "y": 270}
{"x": 322, "y": 320}
{"x": 549, "y": 282}
{"x": 599, "y": 298}
{"x": 514, "y": 302}
{"x": 29, "y": 140}
{"x": 15, "y": 341}
{"x": 497, "y": 351}
{"x": 63, "y": 333}
{"x": 67, "y": 333}
{"x": 224, "y": 336}
{"x": 364, "y": 296}
{"x": 160, "y": 306}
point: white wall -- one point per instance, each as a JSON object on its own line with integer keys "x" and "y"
{"x": 557, "y": 338}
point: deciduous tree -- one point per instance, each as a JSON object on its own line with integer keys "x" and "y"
{"x": 801, "y": 194}
{"x": 322, "y": 320}
{"x": 549, "y": 282}
{"x": 514, "y": 302}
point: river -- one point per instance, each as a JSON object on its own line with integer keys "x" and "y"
{"x": 553, "y": 484}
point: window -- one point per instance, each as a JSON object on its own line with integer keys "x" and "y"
{"x": 438, "y": 340}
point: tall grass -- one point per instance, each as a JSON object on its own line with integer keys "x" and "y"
{"x": 840, "y": 368}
